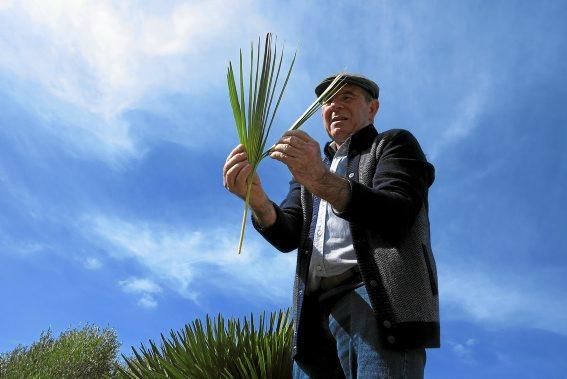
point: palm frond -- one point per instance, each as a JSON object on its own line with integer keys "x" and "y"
{"x": 253, "y": 126}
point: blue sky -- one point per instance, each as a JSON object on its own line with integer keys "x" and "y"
{"x": 115, "y": 123}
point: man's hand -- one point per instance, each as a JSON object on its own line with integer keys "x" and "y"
{"x": 302, "y": 155}
{"x": 235, "y": 178}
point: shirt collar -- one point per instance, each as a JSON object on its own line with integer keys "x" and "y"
{"x": 359, "y": 141}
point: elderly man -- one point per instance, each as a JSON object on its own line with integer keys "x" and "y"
{"x": 365, "y": 294}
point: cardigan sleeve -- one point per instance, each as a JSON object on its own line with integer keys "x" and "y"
{"x": 285, "y": 233}
{"x": 399, "y": 188}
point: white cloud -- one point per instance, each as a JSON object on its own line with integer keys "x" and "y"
{"x": 465, "y": 350}
{"x": 137, "y": 285}
{"x": 4, "y": 4}
{"x": 528, "y": 298}
{"x": 465, "y": 117}
{"x": 190, "y": 261}
{"x": 144, "y": 287}
{"x": 102, "y": 57}
{"x": 20, "y": 247}
{"x": 92, "y": 263}
{"x": 147, "y": 301}
{"x": 16, "y": 192}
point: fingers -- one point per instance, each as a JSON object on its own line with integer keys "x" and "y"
{"x": 298, "y": 134}
{"x": 236, "y": 176}
{"x": 237, "y": 150}
{"x": 280, "y": 156}
{"x": 235, "y": 169}
{"x": 293, "y": 144}
{"x": 287, "y": 149}
{"x": 289, "y": 155}
{"x": 238, "y": 154}
{"x": 237, "y": 158}
{"x": 295, "y": 141}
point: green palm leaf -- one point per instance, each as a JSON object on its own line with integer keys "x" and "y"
{"x": 253, "y": 127}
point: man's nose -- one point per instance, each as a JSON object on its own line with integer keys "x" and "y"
{"x": 335, "y": 104}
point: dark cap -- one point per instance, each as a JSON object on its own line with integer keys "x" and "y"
{"x": 357, "y": 80}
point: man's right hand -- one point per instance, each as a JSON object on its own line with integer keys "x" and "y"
{"x": 235, "y": 178}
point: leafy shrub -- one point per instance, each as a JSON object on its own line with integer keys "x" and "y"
{"x": 219, "y": 349}
{"x": 86, "y": 353}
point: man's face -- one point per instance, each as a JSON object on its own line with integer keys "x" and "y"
{"x": 347, "y": 112}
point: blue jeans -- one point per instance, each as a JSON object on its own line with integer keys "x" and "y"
{"x": 347, "y": 344}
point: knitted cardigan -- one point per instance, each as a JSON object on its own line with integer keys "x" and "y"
{"x": 389, "y": 178}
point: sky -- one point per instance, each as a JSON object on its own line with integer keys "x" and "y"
{"x": 115, "y": 124}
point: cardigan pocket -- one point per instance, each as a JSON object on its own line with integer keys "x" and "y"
{"x": 432, "y": 280}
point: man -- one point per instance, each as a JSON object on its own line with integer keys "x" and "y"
{"x": 365, "y": 293}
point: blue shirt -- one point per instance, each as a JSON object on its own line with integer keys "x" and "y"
{"x": 333, "y": 251}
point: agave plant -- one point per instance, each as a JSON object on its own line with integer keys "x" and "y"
{"x": 218, "y": 349}
{"x": 252, "y": 108}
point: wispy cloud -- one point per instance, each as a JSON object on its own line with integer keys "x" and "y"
{"x": 103, "y": 56}
{"x": 146, "y": 288}
{"x": 529, "y": 298}
{"x": 465, "y": 117}
{"x": 92, "y": 263}
{"x": 99, "y": 58}
{"x": 147, "y": 301}
{"x": 189, "y": 261}
{"x": 14, "y": 191}
{"x": 464, "y": 350}
{"x": 137, "y": 285}
{"x": 5, "y": 4}
{"x": 20, "y": 247}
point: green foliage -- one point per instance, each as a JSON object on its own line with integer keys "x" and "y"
{"x": 252, "y": 105}
{"x": 86, "y": 353}
{"x": 218, "y": 349}
{"x": 253, "y": 124}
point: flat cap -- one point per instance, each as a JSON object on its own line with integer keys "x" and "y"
{"x": 354, "y": 79}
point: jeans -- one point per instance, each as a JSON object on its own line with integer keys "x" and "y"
{"x": 342, "y": 342}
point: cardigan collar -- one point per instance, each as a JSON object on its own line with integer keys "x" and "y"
{"x": 359, "y": 141}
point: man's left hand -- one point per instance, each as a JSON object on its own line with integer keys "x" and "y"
{"x": 302, "y": 155}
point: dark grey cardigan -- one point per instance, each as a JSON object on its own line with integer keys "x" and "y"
{"x": 388, "y": 215}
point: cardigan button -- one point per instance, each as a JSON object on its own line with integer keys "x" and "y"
{"x": 391, "y": 339}
{"x": 387, "y": 324}
{"x": 351, "y": 175}
{"x": 374, "y": 283}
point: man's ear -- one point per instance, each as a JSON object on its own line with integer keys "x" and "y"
{"x": 374, "y": 106}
